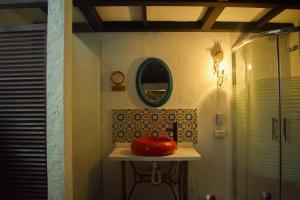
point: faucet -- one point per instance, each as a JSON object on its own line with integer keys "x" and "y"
{"x": 174, "y": 130}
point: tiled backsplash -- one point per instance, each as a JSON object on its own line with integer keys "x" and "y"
{"x": 129, "y": 124}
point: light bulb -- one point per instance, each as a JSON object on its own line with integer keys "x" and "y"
{"x": 249, "y": 67}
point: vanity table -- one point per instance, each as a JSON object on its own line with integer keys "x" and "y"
{"x": 178, "y": 160}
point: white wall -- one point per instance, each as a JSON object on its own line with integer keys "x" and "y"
{"x": 86, "y": 94}
{"x": 188, "y": 56}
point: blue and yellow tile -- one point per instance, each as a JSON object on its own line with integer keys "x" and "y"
{"x": 129, "y": 124}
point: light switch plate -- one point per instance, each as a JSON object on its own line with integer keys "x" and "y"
{"x": 220, "y": 133}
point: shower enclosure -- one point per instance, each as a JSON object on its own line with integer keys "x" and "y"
{"x": 266, "y": 89}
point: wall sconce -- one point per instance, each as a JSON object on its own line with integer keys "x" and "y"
{"x": 219, "y": 65}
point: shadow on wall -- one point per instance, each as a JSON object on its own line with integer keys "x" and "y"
{"x": 89, "y": 41}
{"x": 213, "y": 173}
{"x": 94, "y": 190}
{"x": 214, "y": 99}
{"x": 132, "y": 93}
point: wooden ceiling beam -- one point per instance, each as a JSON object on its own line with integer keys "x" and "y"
{"x": 145, "y": 20}
{"x": 10, "y": 4}
{"x": 138, "y": 26}
{"x": 291, "y": 4}
{"x": 267, "y": 17}
{"x": 210, "y": 17}
{"x": 94, "y": 20}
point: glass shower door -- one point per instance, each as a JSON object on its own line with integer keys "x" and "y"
{"x": 289, "y": 57}
{"x": 240, "y": 110}
{"x": 263, "y": 138}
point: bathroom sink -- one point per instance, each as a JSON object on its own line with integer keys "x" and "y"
{"x": 153, "y": 146}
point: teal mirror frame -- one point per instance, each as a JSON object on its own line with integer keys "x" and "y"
{"x": 145, "y": 99}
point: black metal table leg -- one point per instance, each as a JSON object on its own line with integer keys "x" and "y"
{"x": 185, "y": 180}
{"x": 182, "y": 180}
{"x": 123, "y": 180}
{"x": 179, "y": 183}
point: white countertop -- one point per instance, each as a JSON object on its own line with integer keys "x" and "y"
{"x": 181, "y": 154}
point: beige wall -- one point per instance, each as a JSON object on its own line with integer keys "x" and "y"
{"x": 188, "y": 57}
{"x": 86, "y": 118}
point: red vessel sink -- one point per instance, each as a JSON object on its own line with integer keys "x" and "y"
{"x": 153, "y": 146}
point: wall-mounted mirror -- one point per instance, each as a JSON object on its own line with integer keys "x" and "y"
{"x": 154, "y": 82}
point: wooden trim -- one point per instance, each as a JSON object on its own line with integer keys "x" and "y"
{"x": 210, "y": 17}
{"x": 138, "y": 26}
{"x": 292, "y": 4}
{"x": 92, "y": 16}
{"x": 267, "y": 17}
{"x": 5, "y": 4}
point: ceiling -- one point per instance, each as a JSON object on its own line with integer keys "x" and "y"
{"x": 238, "y": 14}
{"x": 192, "y": 15}
{"x": 159, "y": 15}
{"x": 288, "y": 16}
{"x": 185, "y": 14}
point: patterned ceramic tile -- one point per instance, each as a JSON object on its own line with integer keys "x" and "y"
{"x": 129, "y": 124}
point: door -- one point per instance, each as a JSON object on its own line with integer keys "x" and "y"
{"x": 263, "y": 138}
{"x": 289, "y": 58}
{"x": 23, "y": 161}
{"x": 240, "y": 110}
